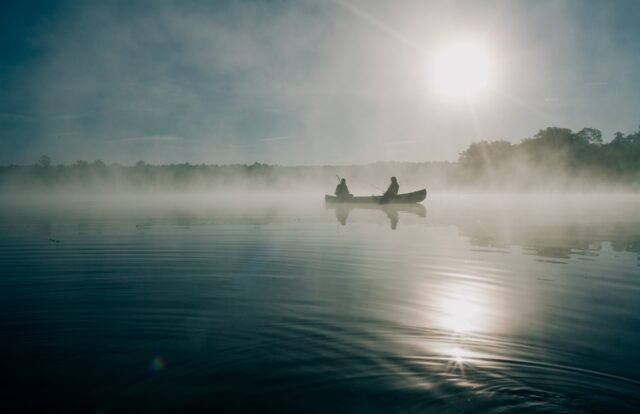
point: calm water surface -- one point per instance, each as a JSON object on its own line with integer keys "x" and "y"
{"x": 474, "y": 304}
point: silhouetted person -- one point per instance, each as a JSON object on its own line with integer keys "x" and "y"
{"x": 341, "y": 190}
{"x": 392, "y": 190}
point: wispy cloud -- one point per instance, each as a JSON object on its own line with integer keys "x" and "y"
{"x": 15, "y": 117}
{"x": 65, "y": 117}
{"x": 63, "y": 134}
{"x": 404, "y": 142}
{"x": 330, "y": 81}
{"x": 282, "y": 138}
{"x": 149, "y": 139}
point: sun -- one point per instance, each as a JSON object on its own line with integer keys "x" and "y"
{"x": 462, "y": 70}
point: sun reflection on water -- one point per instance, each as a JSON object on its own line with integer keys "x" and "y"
{"x": 463, "y": 310}
{"x": 467, "y": 316}
{"x": 457, "y": 354}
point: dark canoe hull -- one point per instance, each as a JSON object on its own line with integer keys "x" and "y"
{"x": 406, "y": 198}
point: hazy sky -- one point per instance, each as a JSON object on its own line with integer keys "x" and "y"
{"x": 302, "y": 82}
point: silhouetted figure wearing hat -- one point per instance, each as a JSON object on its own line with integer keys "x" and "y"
{"x": 392, "y": 191}
{"x": 342, "y": 191}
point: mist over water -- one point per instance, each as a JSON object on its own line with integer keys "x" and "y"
{"x": 272, "y": 301}
{"x": 165, "y": 245}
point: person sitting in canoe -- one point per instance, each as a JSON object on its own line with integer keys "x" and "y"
{"x": 392, "y": 191}
{"x": 341, "y": 190}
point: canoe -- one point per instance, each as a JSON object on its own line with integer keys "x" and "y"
{"x": 406, "y": 198}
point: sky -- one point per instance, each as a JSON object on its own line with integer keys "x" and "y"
{"x": 303, "y": 82}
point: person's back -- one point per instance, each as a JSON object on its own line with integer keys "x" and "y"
{"x": 342, "y": 190}
{"x": 393, "y": 188}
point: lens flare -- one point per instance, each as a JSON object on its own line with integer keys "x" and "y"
{"x": 157, "y": 364}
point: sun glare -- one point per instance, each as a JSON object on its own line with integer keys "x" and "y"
{"x": 462, "y": 71}
{"x": 462, "y": 311}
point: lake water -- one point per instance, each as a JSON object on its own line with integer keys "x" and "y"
{"x": 473, "y": 304}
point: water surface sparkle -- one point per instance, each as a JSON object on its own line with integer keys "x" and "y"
{"x": 467, "y": 307}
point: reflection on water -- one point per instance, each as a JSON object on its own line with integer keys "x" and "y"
{"x": 483, "y": 306}
{"x": 462, "y": 309}
{"x": 390, "y": 210}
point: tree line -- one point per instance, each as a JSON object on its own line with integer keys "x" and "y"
{"x": 554, "y": 158}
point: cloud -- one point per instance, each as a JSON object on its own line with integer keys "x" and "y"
{"x": 404, "y": 142}
{"x": 341, "y": 77}
{"x": 10, "y": 117}
{"x": 65, "y": 117}
{"x": 149, "y": 139}
{"x": 276, "y": 138}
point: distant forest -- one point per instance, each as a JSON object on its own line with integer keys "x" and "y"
{"x": 553, "y": 159}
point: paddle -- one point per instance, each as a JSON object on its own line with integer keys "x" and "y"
{"x": 364, "y": 182}
{"x": 370, "y": 185}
